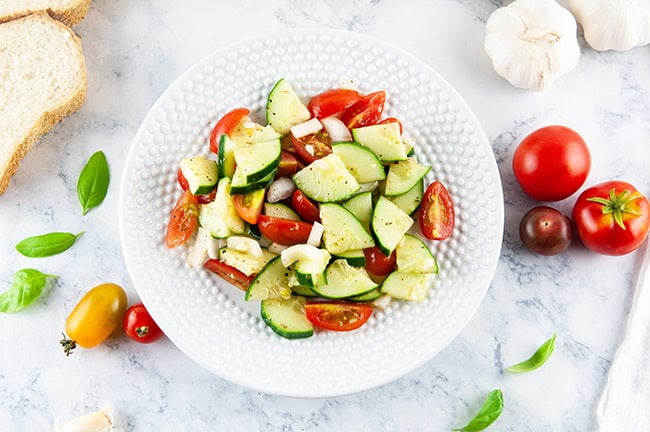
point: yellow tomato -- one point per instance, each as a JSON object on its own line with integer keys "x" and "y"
{"x": 95, "y": 317}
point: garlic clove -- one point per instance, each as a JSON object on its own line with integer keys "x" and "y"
{"x": 99, "y": 421}
{"x": 613, "y": 24}
{"x": 532, "y": 42}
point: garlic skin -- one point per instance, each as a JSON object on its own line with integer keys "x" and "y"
{"x": 99, "y": 421}
{"x": 617, "y": 25}
{"x": 532, "y": 42}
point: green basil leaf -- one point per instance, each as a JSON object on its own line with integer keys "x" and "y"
{"x": 47, "y": 244}
{"x": 537, "y": 359}
{"x": 93, "y": 182}
{"x": 27, "y": 286}
{"x": 489, "y": 412}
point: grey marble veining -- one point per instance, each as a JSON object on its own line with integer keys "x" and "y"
{"x": 134, "y": 50}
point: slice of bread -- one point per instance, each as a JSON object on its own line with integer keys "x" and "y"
{"x": 42, "y": 80}
{"x": 69, "y": 12}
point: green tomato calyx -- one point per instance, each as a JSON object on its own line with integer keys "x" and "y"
{"x": 616, "y": 205}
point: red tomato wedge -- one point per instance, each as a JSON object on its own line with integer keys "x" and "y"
{"x": 337, "y": 315}
{"x": 436, "y": 216}
{"x": 229, "y": 273}
{"x": 379, "y": 264}
{"x": 312, "y": 147}
{"x": 249, "y": 206}
{"x": 183, "y": 220}
{"x": 305, "y": 208}
{"x": 182, "y": 181}
{"x": 284, "y": 231}
{"x": 287, "y": 166}
{"x": 225, "y": 125}
{"x": 332, "y": 101}
{"x": 366, "y": 111}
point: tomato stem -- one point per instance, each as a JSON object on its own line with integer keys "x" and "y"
{"x": 616, "y": 205}
{"x": 142, "y": 331}
{"x": 68, "y": 345}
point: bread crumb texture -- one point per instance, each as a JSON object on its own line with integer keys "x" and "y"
{"x": 69, "y": 12}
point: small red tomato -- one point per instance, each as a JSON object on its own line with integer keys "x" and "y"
{"x": 249, "y": 205}
{"x": 182, "y": 181}
{"x": 546, "y": 231}
{"x": 306, "y": 209}
{"x": 332, "y": 101}
{"x": 225, "y": 125}
{"x": 183, "y": 220}
{"x": 287, "y": 166}
{"x": 366, "y": 111}
{"x": 139, "y": 326}
{"x": 379, "y": 264}
{"x": 229, "y": 273}
{"x": 551, "y": 163}
{"x": 312, "y": 147}
{"x": 437, "y": 216}
{"x": 612, "y": 218}
{"x": 284, "y": 231}
{"x": 337, "y": 315}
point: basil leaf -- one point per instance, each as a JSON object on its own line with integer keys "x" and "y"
{"x": 27, "y": 286}
{"x": 93, "y": 182}
{"x": 537, "y": 359}
{"x": 489, "y": 412}
{"x": 47, "y": 244}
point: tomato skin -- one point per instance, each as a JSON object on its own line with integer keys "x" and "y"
{"x": 436, "y": 215}
{"x": 393, "y": 120}
{"x": 306, "y": 209}
{"x": 337, "y": 315}
{"x": 96, "y": 316}
{"x": 332, "y": 101}
{"x": 249, "y": 206}
{"x": 229, "y": 273}
{"x": 312, "y": 147}
{"x": 183, "y": 220}
{"x": 182, "y": 181}
{"x": 287, "y": 166}
{"x": 366, "y": 111}
{"x": 284, "y": 231}
{"x": 139, "y": 326}
{"x": 546, "y": 231}
{"x": 379, "y": 264}
{"x": 551, "y": 163}
{"x": 599, "y": 230}
{"x": 225, "y": 125}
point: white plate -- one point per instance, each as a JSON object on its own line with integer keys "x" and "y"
{"x": 207, "y": 318}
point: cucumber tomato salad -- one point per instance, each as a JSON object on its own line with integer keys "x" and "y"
{"x": 312, "y": 214}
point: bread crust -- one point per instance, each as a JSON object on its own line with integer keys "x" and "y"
{"x": 49, "y": 118}
{"x": 70, "y": 16}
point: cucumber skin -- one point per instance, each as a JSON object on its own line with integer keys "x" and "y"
{"x": 278, "y": 328}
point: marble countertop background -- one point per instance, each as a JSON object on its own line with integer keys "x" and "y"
{"x": 134, "y": 50}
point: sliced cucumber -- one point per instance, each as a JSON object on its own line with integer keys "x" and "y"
{"x": 362, "y": 162}
{"x": 287, "y": 317}
{"x": 410, "y": 201}
{"x": 220, "y": 217}
{"x": 245, "y": 262}
{"x": 303, "y": 291}
{"x": 343, "y": 281}
{"x": 280, "y": 210}
{"x": 342, "y": 231}
{"x": 271, "y": 282}
{"x": 241, "y": 186}
{"x": 258, "y": 159}
{"x": 249, "y": 132}
{"x": 200, "y": 173}
{"x": 414, "y": 256}
{"x": 226, "y": 158}
{"x": 406, "y": 286}
{"x": 355, "y": 258}
{"x": 403, "y": 176}
{"x": 389, "y": 224}
{"x": 367, "y": 297}
{"x": 383, "y": 139}
{"x": 309, "y": 263}
{"x": 361, "y": 207}
{"x": 284, "y": 108}
{"x": 326, "y": 180}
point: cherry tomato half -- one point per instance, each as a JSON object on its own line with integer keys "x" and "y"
{"x": 139, "y": 326}
{"x": 551, "y": 163}
{"x": 366, "y": 111}
{"x": 313, "y": 146}
{"x": 229, "y": 273}
{"x": 612, "y": 218}
{"x": 306, "y": 209}
{"x": 332, "y": 101}
{"x": 249, "y": 205}
{"x": 284, "y": 231}
{"x": 436, "y": 215}
{"x": 287, "y": 166}
{"x": 379, "y": 264}
{"x": 337, "y": 315}
{"x": 225, "y": 125}
{"x": 183, "y": 220}
{"x": 95, "y": 317}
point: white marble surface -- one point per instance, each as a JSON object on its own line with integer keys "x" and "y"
{"x": 134, "y": 50}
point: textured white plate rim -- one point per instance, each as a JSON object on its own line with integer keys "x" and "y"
{"x": 377, "y": 380}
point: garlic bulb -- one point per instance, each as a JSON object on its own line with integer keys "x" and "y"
{"x": 532, "y": 42}
{"x": 613, "y": 24}
{"x": 99, "y": 421}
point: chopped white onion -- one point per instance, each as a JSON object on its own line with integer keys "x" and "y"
{"x": 246, "y": 245}
{"x": 277, "y": 248}
{"x": 213, "y": 246}
{"x": 306, "y": 128}
{"x": 280, "y": 189}
{"x": 315, "y": 235}
{"x": 336, "y": 129}
{"x": 198, "y": 253}
{"x": 383, "y": 301}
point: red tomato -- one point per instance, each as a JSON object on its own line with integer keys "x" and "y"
{"x": 225, "y": 125}
{"x": 287, "y": 166}
{"x": 436, "y": 216}
{"x": 249, "y": 206}
{"x": 332, "y": 101}
{"x": 207, "y": 198}
{"x": 182, "y": 181}
{"x": 305, "y": 208}
{"x": 366, "y": 111}
{"x": 393, "y": 120}
{"x": 284, "y": 231}
{"x": 551, "y": 163}
{"x": 139, "y": 326}
{"x": 337, "y": 315}
{"x": 379, "y": 264}
{"x": 312, "y": 147}
{"x": 182, "y": 220}
{"x": 229, "y": 273}
{"x": 612, "y": 218}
